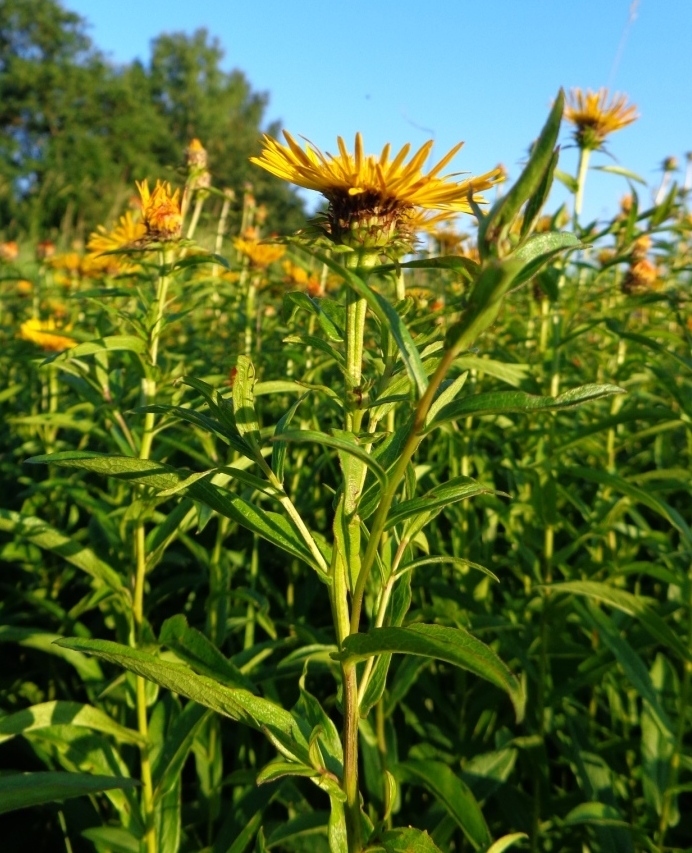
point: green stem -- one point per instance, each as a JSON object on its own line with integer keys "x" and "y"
{"x": 412, "y": 442}
{"x": 584, "y": 155}
{"x": 199, "y": 203}
{"x": 350, "y": 781}
{"x": 250, "y": 295}
{"x": 149, "y": 395}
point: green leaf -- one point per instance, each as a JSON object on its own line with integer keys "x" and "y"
{"x": 504, "y": 212}
{"x": 21, "y": 790}
{"x": 535, "y": 204}
{"x": 634, "y": 605}
{"x": 636, "y": 493}
{"x": 484, "y": 304}
{"x": 176, "y": 747}
{"x": 60, "y": 713}
{"x": 457, "y": 562}
{"x": 337, "y": 443}
{"x": 453, "y": 645}
{"x": 506, "y": 841}
{"x": 236, "y": 703}
{"x": 465, "y": 266}
{"x": 631, "y": 663}
{"x": 458, "y": 489}
{"x": 115, "y": 342}
{"x": 113, "y": 838}
{"x": 244, "y": 400}
{"x": 35, "y": 638}
{"x": 273, "y": 527}
{"x": 404, "y": 840}
{"x": 200, "y": 653}
{"x": 301, "y": 827}
{"x": 40, "y": 533}
{"x": 506, "y": 402}
{"x": 279, "y": 448}
{"x": 452, "y": 793}
{"x": 618, "y": 170}
{"x": 539, "y": 250}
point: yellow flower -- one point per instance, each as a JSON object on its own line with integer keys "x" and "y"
{"x": 43, "y": 333}
{"x": 594, "y": 118}
{"x": 24, "y": 287}
{"x": 161, "y": 213}
{"x": 371, "y": 198}
{"x": 261, "y": 255}
{"x": 126, "y": 234}
{"x": 300, "y": 276}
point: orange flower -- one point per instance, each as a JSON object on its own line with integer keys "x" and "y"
{"x": 161, "y": 213}
{"x": 9, "y": 251}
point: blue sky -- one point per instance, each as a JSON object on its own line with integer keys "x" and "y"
{"x": 483, "y": 71}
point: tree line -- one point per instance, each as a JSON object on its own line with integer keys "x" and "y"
{"x": 76, "y": 129}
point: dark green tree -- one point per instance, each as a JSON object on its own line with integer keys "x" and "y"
{"x": 76, "y": 131}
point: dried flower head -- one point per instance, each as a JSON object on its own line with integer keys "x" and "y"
{"x": 196, "y": 155}
{"x": 594, "y": 118}
{"x": 372, "y": 198}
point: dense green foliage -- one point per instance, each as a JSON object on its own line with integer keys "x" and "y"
{"x": 76, "y": 130}
{"x": 197, "y": 499}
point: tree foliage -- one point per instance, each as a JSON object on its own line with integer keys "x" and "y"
{"x": 76, "y": 130}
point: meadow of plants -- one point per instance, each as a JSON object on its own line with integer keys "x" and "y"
{"x": 371, "y": 537}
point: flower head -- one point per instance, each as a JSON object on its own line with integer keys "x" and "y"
{"x": 161, "y": 213}
{"x": 9, "y": 251}
{"x": 261, "y": 255}
{"x": 196, "y": 155}
{"x": 46, "y": 335}
{"x": 594, "y": 118}
{"x": 371, "y": 198}
{"x": 126, "y": 234}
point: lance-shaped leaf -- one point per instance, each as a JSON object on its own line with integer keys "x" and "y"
{"x": 147, "y": 472}
{"x": 507, "y": 402}
{"x": 236, "y": 703}
{"x": 541, "y": 161}
{"x": 458, "y": 489}
{"x": 40, "y": 533}
{"x": 453, "y": 645}
{"x": 634, "y": 605}
{"x": 342, "y": 445}
{"x": 20, "y": 790}
{"x": 112, "y": 343}
{"x": 452, "y": 793}
{"x": 58, "y": 713}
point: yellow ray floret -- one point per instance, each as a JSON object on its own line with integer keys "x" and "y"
{"x": 45, "y": 333}
{"x": 125, "y": 234}
{"x": 595, "y": 118}
{"x": 391, "y": 182}
{"x": 261, "y": 255}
